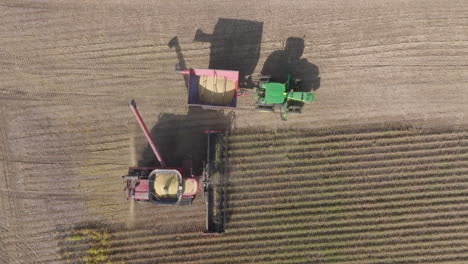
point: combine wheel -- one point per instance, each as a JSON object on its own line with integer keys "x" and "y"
{"x": 130, "y": 177}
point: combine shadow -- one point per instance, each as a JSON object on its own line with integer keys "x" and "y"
{"x": 288, "y": 61}
{"x": 182, "y": 137}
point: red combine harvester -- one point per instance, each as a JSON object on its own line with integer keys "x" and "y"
{"x": 178, "y": 186}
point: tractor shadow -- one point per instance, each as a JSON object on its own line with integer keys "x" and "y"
{"x": 280, "y": 63}
{"x": 234, "y": 45}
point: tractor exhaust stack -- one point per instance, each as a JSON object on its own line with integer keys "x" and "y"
{"x": 146, "y": 132}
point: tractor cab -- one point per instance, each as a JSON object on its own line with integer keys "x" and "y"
{"x": 271, "y": 95}
{"x": 272, "y": 92}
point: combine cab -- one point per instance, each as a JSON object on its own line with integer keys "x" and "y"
{"x": 161, "y": 186}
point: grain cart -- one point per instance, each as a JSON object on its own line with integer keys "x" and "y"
{"x": 271, "y": 95}
{"x": 218, "y": 89}
{"x": 212, "y": 89}
{"x": 177, "y": 185}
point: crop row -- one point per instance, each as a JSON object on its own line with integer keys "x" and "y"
{"x": 158, "y": 241}
{"x": 246, "y": 135}
{"x": 318, "y": 217}
{"x": 290, "y": 167}
{"x": 242, "y": 234}
{"x": 341, "y": 150}
{"x": 236, "y": 151}
{"x": 216, "y": 254}
{"x": 366, "y": 204}
{"x": 236, "y": 241}
{"x": 340, "y": 160}
{"x": 325, "y": 179}
{"x": 440, "y": 166}
{"x": 434, "y": 231}
{"x": 329, "y": 211}
{"x": 288, "y": 138}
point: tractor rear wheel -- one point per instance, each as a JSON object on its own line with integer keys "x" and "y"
{"x": 264, "y": 109}
{"x": 294, "y": 109}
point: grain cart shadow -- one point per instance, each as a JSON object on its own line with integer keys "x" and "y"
{"x": 181, "y": 64}
{"x": 235, "y": 45}
{"x": 280, "y": 63}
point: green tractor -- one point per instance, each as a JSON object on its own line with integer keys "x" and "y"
{"x": 271, "y": 95}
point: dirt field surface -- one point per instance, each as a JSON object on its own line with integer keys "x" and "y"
{"x": 68, "y": 70}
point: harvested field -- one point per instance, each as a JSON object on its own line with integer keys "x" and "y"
{"x": 353, "y": 193}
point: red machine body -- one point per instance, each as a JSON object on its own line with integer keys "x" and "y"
{"x": 160, "y": 185}
{"x": 178, "y": 186}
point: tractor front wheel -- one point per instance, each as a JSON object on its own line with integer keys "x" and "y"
{"x": 264, "y": 78}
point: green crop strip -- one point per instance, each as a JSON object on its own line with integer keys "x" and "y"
{"x": 95, "y": 244}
